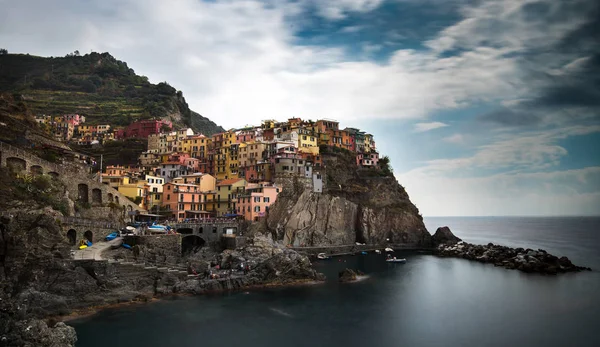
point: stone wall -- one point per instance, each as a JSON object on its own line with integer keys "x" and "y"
{"x": 76, "y": 177}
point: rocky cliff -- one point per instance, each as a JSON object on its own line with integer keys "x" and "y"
{"x": 358, "y": 205}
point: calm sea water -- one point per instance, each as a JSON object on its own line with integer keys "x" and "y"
{"x": 428, "y": 301}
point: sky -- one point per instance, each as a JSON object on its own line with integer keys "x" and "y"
{"x": 485, "y": 107}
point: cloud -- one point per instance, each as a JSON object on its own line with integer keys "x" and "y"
{"x": 508, "y": 117}
{"x": 536, "y": 150}
{"x": 339, "y": 9}
{"x": 565, "y": 192}
{"x": 456, "y": 138}
{"x": 352, "y": 29}
{"x": 422, "y": 127}
{"x": 237, "y": 62}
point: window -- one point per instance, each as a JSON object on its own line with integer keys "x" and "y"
{"x": 256, "y": 208}
{"x": 168, "y": 196}
{"x": 181, "y": 207}
{"x": 214, "y": 230}
{"x": 266, "y": 199}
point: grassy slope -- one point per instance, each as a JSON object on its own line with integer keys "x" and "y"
{"x": 97, "y": 86}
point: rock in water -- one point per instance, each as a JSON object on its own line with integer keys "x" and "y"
{"x": 443, "y": 235}
{"x": 348, "y": 275}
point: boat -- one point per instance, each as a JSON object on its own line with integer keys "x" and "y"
{"x": 83, "y": 247}
{"x": 378, "y": 251}
{"x": 395, "y": 260}
{"x": 112, "y": 236}
{"x": 387, "y": 249}
{"x": 322, "y": 256}
{"x": 126, "y": 246}
{"x": 364, "y": 253}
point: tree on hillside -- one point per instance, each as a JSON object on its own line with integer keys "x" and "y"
{"x": 3, "y": 51}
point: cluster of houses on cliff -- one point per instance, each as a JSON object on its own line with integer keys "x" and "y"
{"x": 183, "y": 175}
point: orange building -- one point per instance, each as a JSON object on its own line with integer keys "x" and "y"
{"x": 183, "y": 201}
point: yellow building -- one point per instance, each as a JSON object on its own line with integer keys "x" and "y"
{"x": 210, "y": 202}
{"x": 232, "y": 164}
{"x": 136, "y": 192}
{"x": 307, "y": 141}
{"x": 227, "y": 191}
{"x": 369, "y": 143}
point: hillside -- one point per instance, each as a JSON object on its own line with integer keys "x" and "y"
{"x": 98, "y": 86}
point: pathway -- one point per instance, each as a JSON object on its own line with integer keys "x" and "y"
{"x": 95, "y": 251}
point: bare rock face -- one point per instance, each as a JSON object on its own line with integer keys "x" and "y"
{"x": 315, "y": 219}
{"x": 443, "y": 235}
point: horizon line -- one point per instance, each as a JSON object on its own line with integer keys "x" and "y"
{"x": 504, "y": 216}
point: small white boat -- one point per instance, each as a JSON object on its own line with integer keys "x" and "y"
{"x": 322, "y": 256}
{"x": 377, "y": 251}
{"x": 395, "y": 260}
{"x": 389, "y": 249}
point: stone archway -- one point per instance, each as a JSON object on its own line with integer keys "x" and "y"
{"x": 110, "y": 197}
{"x": 82, "y": 190}
{"x": 191, "y": 244}
{"x": 89, "y": 235}
{"x": 36, "y": 170}
{"x": 129, "y": 208}
{"x": 185, "y": 231}
{"x": 116, "y": 200}
{"x": 72, "y": 237}
{"x": 96, "y": 196}
{"x": 16, "y": 164}
{"x": 53, "y": 174}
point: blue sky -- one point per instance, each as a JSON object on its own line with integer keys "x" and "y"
{"x": 486, "y": 107}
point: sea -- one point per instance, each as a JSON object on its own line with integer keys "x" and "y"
{"x": 427, "y": 301}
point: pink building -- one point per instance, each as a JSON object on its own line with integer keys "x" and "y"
{"x": 367, "y": 159}
{"x": 255, "y": 201}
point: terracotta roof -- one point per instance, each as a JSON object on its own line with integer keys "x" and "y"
{"x": 229, "y": 181}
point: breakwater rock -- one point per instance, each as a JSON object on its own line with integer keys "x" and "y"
{"x": 526, "y": 260}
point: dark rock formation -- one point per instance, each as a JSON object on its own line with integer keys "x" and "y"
{"x": 348, "y": 275}
{"x": 38, "y": 279}
{"x": 443, "y": 235}
{"x": 526, "y": 260}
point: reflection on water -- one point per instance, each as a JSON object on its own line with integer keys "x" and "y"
{"x": 428, "y": 301}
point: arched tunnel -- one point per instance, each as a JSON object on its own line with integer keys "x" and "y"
{"x": 191, "y": 244}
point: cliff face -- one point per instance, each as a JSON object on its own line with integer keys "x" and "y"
{"x": 357, "y": 206}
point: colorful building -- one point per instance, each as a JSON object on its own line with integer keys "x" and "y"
{"x": 254, "y": 202}
{"x": 183, "y": 201}
{"x": 227, "y": 191}
{"x": 145, "y": 128}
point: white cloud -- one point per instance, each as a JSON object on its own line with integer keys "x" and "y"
{"x": 422, "y": 127}
{"x": 522, "y": 184}
{"x": 236, "y": 62}
{"x": 455, "y": 138}
{"x": 352, "y": 29}
{"x": 338, "y": 9}
{"x": 539, "y": 193}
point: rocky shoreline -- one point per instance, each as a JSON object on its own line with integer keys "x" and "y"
{"x": 526, "y": 260}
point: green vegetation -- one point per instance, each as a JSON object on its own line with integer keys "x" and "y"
{"x": 121, "y": 152}
{"x": 96, "y": 85}
{"x": 34, "y": 189}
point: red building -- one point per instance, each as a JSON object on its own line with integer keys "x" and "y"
{"x": 144, "y": 128}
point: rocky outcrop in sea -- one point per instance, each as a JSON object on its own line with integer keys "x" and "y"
{"x": 526, "y": 260}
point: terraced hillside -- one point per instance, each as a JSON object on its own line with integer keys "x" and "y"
{"x": 95, "y": 85}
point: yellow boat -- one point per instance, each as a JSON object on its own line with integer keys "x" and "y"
{"x": 82, "y": 246}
